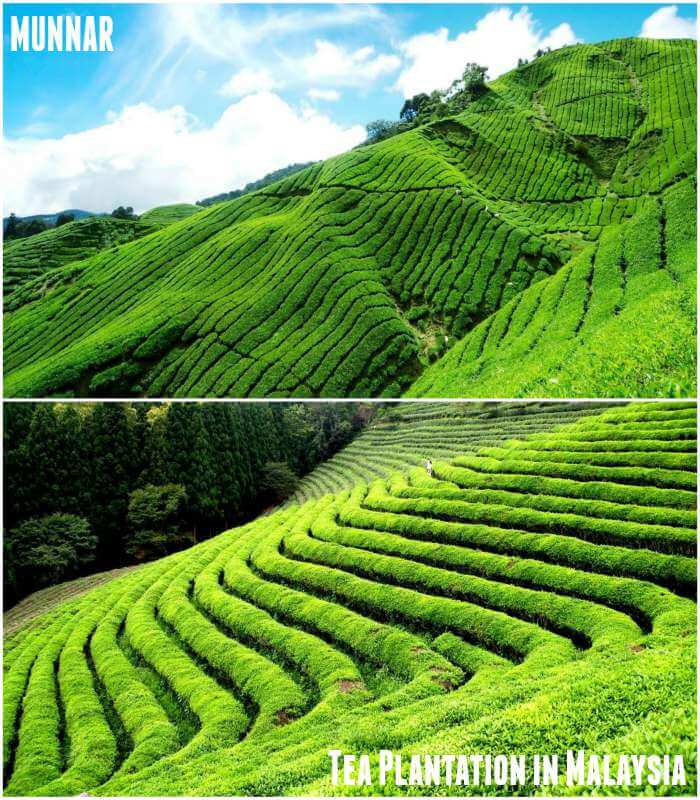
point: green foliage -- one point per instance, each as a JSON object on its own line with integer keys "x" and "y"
{"x": 481, "y": 609}
{"x": 152, "y": 478}
{"x": 423, "y": 108}
{"x": 411, "y": 107}
{"x": 278, "y": 480}
{"x": 380, "y": 129}
{"x": 51, "y": 548}
{"x": 155, "y": 515}
{"x": 542, "y": 223}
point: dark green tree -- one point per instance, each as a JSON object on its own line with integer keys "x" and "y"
{"x": 474, "y": 79}
{"x": 153, "y": 426}
{"x": 411, "y": 107}
{"x": 380, "y": 129}
{"x": 114, "y": 456}
{"x": 124, "y": 213}
{"x": 155, "y": 520}
{"x": 51, "y": 548}
{"x": 278, "y": 481}
{"x": 32, "y": 227}
{"x": 12, "y": 227}
{"x": 88, "y": 459}
{"x": 63, "y": 219}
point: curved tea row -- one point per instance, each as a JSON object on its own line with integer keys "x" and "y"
{"x": 535, "y": 592}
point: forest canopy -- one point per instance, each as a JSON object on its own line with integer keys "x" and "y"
{"x": 97, "y": 486}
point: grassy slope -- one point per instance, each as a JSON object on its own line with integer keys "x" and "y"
{"x": 165, "y": 215}
{"x": 33, "y": 257}
{"x": 619, "y": 319}
{"x": 38, "y": 603}
{"x": 532, "y": 596}
{"x": 33, "y": 262}
{"x": 405, "y": 435}
{"x": 346, "y": 278}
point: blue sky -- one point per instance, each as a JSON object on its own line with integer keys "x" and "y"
{"x": 189, "y": 76}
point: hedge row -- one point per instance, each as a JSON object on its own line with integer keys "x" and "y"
{"x": 662, "y": 538}
{"x": 566, "y": 487}
{"x": 673, "y": 571}
{"x": 671, "y": 478}
{"x": 416, "y": 484}
{"x": 645, "y": 602}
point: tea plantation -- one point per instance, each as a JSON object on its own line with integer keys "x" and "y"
{"x": 535, "y": 594}
{"x": 541, "y": 242}
{"x": 405, "y": 435}
{"x": 34, "y": 260}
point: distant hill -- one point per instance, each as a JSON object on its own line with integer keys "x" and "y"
{"x": 253, "y": 186}
{"x": 31, "y": 262}
{"x": 166, "y": 215}
{"x": 540, "y": 242}
{"x": 50, "y": 219}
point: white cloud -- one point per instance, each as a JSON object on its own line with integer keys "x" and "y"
{"x": 249, "y": 81}
{"x": 222, "y": 31}
{"x": 318, "y": 73}
{"x": 497, "y": 41}
{"x": 330, "y": 95}
{"x": 145, "y": 157}
{"x": 332, "y": 63}
{"x": 666, "y": 24}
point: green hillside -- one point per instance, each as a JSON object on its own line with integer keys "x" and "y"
{"x": 40, "y": 602}
{"x": 35, "y": 256}
{"x": 161, "y": 216}
{"x": 405, "y": 435}
{"x": 617, "y": 320}
{"x": 33, "y": 261}
{"x": 532, "y": 596}
{"x": 544, "y": 238}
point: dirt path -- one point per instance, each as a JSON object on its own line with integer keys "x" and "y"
{"x": 45, "y": 599}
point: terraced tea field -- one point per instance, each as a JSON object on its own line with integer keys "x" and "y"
{"x": 542, "y": 242}
{"x": 40, "y": 602}
{"x": 533, "y": 595}
{"x": 405, "y": 435}
{"x": 34, "y": 260}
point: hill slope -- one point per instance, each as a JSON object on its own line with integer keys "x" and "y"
{"x": 38, "y": 603}
{"x": 349, "y": 277}
{"x": 530, "y": 597}
{"x": 617, "y": 320}
{"x": 35, "y": 256}
{"x": 403, "y": 436}
{"x": 34, "y": 260}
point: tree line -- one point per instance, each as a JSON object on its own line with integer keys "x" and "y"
{"x": 90, "y": 487}
{"x": 18, "y": 228}
{"x": 253, "y": 186}
{"x": 439, "y": 104}
{"x": 21, "y": 228}
{"x": 423, "y": 108}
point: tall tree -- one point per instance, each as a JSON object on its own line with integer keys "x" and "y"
{"x": 12, "y": 227}
{"x": 114, "y": 454}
